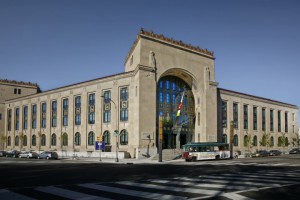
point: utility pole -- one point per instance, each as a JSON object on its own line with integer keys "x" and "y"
{"x": 160, "y": 139}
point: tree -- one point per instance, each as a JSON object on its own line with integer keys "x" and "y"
{"x": 283, "y": 141}
{"x": 248, "y": 143}
{"x": 265, "y": 140}
{"x": 40, "y": 140}
{"x": 3, "y": 140}
{"x": 21, "y": 137}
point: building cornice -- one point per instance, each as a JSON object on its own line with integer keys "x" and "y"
{"x": 255, "y": 98}
{"x": 169, "y": 41}
{"x": 18, "y": 83}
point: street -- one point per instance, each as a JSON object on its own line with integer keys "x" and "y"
{"x": 249, "y": 178}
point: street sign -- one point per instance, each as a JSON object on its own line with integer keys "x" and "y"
{"x": 99, "y": 145}
{"x": 116, "y": 133}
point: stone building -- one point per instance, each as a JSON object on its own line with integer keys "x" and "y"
{"x": 163, "y": 77}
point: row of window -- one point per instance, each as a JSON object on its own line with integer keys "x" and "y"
{"x": 77, "y": 139}
{"x": 254, "y": 118}
{"x": 123, "y": 115}
{"x": 254, "y": 141}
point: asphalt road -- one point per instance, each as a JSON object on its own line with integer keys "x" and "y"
{"x": 253, "y": 178}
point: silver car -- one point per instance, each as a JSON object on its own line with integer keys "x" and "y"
{"x": 28, "y": 154}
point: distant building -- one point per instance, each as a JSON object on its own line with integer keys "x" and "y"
{"x": 164, "y": 78}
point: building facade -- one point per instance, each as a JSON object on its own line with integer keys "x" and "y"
{"x": 163, "y": 79}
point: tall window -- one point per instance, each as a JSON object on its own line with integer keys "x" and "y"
{"x": 9, "y": 120}
{"x": 224, "y": 114}
{"x": 77, "y": 139}
{"x": 245, "y": 116}
{"x": 17, "y": 118}
{"x": 44, "y": 110}
{"x": 33, "y": 140}
{"x": 107, "y": 106}
{"x": 91, "y": 138}
{"x": 54, "y": 114}
{"x": 272, "y": 120}
{"x": 25, "y": 117}
{"x": 65, "y": 139}
{"x": 53, "y": 139}
{"x": 78, "y": 110}
{"x": 33, "y": 120}
{"x": 124, "y": 104}
{"x": 235, "y": 116}
{"x": 24, "y": 140}
{"x": 254, "y": 118}
{"x": 286, "y": 122}
{"x": 91, "y": 109}
{"x": 17, "y": 141}
{"x": 65, "y": 111}
{"x": 224, "y": 138}
{"x": 263, "y": 119}
{"x": 279, "y": 121}
{"x": 123, "y": 137}
{"x": 106, "y": 137}
{"x": 43, "y": 142}
{"x": 8, "y": 141}
{"x": 235, "y": 140}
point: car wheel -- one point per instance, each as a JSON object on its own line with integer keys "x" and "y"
{"x": 38, "y": 157}
{"x": 27, "y": 156}
{"x": 14, "y": 156}
{"x": 19, "y": 156}
{"x": 47, "y": 157}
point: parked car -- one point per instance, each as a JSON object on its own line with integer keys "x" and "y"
{"x": 28, "y": 154}
{"x": 275, "y": 153}
{"x": 3, "y": 153}
{"x": 294, "y": 151}
{"x": 13, "y": 153}
{"x": 261, "y": 153}
{"x": 48, "y": 155}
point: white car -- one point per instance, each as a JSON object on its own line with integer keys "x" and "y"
{"x": 28, "y": 154}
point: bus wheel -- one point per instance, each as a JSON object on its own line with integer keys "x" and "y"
{"x": 217, "y": 157}
{"x": 194, "y": 159}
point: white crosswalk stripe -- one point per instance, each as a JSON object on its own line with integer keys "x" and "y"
{"x": 228, "y": 185}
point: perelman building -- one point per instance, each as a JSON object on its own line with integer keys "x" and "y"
{"x": 165, "y": 80}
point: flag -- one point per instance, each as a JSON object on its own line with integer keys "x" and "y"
{"x": 180, "y": 106}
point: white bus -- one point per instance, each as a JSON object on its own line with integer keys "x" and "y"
{"x": 205, "y": 151}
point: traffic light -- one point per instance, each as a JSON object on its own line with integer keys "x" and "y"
{"x": 102, "y": 138}
{"x": 99, "y": 138}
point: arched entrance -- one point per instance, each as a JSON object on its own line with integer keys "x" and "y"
{"x": 176, "y": 106}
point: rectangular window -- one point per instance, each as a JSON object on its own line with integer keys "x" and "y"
{"x": 263, "y": 119}
{"x": 106, "y": 106}
{"x": 91, "y": 111}
{"x": 9, "y": 120}
{"x": 245, "y": 116}
{"x": 224, "y": 114}
{"x": 124, "y": 104}
{"x": 254, "y": 118}
{"x": 272, "y": 120}
{"x": 77, "y": 110}
{"x": 65, "y": 111}
{"x": 17, "y": 118}
{"x": 33, "y": 121}
{"x": 43, "y": 117}
{"x": 0, "y": 116}
{"x": 15, "y": 91}
{"x": 235, "y": 116}
{"x": 54, "y": 113}
{"x": 279, "y": 120}
{"x": 25, "y": 117}
{"x": 286, "y": 122}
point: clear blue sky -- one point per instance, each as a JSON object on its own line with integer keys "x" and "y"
{"x": 59, "y": 42}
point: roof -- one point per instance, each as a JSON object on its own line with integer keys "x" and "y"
{"x": 257, "y": 97}
{"x": 161, "y": 37}
{"x": 6, "y": 81}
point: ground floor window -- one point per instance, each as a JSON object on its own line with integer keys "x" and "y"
{"x": 124, "y": 137}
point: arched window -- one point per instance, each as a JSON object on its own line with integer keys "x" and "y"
{"x": 33, "y": 140}
{"x": 279, "y": 143}
{"x": 8, "y": 141}
{"x": 255, "y": 141}
{"x": 124, "y": 137}
{"x": 43, "y": 142}
{"x": 106, "y": 135}
{"x": 53, "y": 139}
{"x": 65, "y": 139}
{"x": 224, "y": 138}
{"x": 77, "y": 138}
{"x": 272, "y": 141}
{"x": 91, "y": 138}
{"x": 245, "y": 140}
{"x": 24, "y": 140}
{"x": 17, "y": 141}
{"x": 235, "y": 140}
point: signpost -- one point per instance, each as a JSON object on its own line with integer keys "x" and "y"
{"x": 116, "y": 134}
{"x": 99, "y": 145}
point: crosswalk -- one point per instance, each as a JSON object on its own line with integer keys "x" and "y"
{"x": 228, "y": 185}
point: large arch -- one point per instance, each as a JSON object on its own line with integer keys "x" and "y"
{"x": 176, "y": 107}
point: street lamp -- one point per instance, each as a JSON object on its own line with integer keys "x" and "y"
{"x": 116, "y": 132}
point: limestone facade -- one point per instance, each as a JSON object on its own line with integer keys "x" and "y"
{"x": 128, "y": 102}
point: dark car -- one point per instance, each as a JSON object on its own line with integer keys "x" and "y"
{"x": 294, "y": 151}
{"x": 3, "y": 153}
{"x": 261, "y": 153}
{"x": 48, "y": 155}
{"x": 13, "y": 153}
{"x": 275, "y": 153}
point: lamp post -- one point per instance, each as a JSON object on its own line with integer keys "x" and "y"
{"x": 116, "y": 132}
